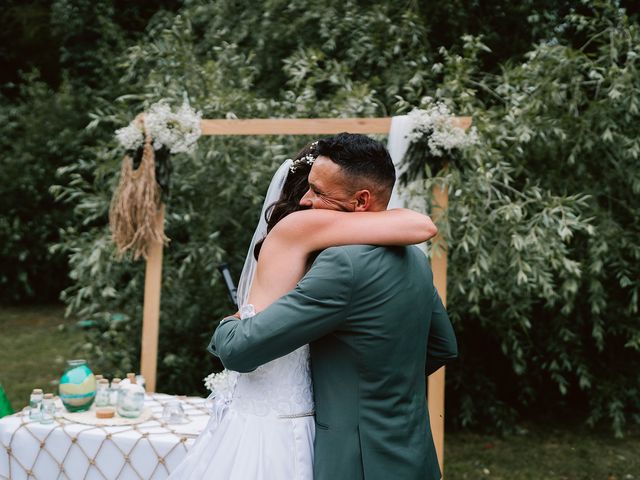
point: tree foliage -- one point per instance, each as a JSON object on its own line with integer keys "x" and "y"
{"x": 39, "y": 134}
{"x": 543, "y": 226}
{"x": 44, "y": 111}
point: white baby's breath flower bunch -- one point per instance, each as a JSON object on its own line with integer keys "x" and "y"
{"x": 177, "y": 131}
{"x": 434, "y": 124}
{"x": 130, "y": 137}
{"x": 221, "y": 384}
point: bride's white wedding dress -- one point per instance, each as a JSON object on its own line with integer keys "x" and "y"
{"x": 262, "y": 425}
{"x": 262, "y": 430}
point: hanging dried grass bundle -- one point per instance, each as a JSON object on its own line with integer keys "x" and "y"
{"x": 136, "y": 203}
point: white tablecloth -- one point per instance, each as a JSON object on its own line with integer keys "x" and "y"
{"x": 70, "y": 450}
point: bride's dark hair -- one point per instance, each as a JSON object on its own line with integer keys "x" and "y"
{"x": 295, "y": 186}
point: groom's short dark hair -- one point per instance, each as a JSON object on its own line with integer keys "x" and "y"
{"x": 361, "y": 157}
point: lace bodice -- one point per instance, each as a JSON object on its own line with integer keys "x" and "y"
{"x": 279, "y": 388}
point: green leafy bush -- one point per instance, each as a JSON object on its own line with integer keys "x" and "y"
{"x": 38, "y": 134}
{"x": 57, "y": 62}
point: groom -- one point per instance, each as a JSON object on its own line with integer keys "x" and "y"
{"x": 375, "y": 325}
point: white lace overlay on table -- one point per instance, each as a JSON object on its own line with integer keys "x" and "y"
{"x": 280, "y": 388}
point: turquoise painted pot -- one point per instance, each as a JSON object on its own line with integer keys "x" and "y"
{"x": 77, "y": 386}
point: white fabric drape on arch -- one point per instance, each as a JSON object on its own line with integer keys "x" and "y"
{"x": 398, "y": 145}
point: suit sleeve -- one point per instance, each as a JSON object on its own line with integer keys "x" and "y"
{"x": 442, "y": 347}
{"x": 317, "y": 306}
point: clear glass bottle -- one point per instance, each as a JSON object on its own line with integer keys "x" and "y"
{"x": 48, "y": 408}
{"x": 35, "y": 404}
{"x": 113, "y": 391}
{"x": 130, "y": 398}
{"x": 102, "y": 393}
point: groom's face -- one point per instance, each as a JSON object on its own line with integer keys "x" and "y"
{"x": 328, "y": 187}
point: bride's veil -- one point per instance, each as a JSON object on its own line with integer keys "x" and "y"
{"x": 250, "y": 263}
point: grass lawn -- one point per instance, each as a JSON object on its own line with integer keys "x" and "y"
{"x": 543, "y": 453}
{"x": 36, "y": 342}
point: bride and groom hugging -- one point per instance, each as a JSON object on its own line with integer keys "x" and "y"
{"x": 327, "y": 379}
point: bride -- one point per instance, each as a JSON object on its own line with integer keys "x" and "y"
{"x": 262, "y": 424}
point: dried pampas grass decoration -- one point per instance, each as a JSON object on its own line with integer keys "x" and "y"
{"x": 135, "y": 206}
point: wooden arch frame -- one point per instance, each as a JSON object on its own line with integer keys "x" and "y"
{"x": 318, "y": 126}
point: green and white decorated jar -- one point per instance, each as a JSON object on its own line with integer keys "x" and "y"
{"x": 77, "y": 386}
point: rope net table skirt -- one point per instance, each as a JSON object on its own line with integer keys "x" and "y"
{"x": 69, "y": 450}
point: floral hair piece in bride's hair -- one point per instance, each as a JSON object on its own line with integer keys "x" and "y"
{"x": 308, "y": 159}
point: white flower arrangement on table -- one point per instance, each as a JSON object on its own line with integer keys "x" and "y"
{"x": 176, "y": 131}
{"x": 434, "y": 124}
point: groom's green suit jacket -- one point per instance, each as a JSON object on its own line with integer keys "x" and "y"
{"x": 375, "y": 325}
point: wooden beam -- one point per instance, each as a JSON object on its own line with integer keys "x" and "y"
{"x": 439, "y": 267}
{"x": 151, "y": 310}
{"x": 293, "y": 126}
{"x": 304, "y": 126}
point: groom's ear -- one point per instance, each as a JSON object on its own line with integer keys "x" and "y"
{"x": 362, "y": 200}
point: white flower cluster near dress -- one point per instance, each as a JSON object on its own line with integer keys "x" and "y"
{"x": 221, "y": 384}
{"x": 177, "y": 131}
{"x": 434, "y": 123}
